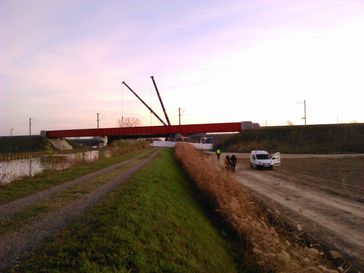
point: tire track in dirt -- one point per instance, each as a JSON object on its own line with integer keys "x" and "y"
{"x": 341, "y": 189}
{"x": 339, "y": 220}
{"x": 16, "y": 244}
{"x": 351, "y": 207}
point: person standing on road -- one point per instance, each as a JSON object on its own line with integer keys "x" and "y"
{"x": 218, "y": 153}
{"x": 233, "y": 160}
{"x": 228, "y": 164}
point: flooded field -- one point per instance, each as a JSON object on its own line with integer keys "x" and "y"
{"x": 16, "y": 169}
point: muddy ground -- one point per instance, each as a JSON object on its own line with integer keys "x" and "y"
{"x": 322, "y": 195}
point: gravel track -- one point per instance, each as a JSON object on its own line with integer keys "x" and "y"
{"x": 334, "y": 221}
{"x": 10, "y": 208}
{"x": 15, "y": 245}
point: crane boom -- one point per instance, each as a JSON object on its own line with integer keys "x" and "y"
{"x": 150, "y": 109}
{"x": 160, "y": 100}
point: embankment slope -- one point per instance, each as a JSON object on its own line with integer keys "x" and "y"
{"x": 328, "y": 138}
{"x": 21, "y": 144}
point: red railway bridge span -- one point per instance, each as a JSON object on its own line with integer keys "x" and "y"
{"x": 154, "y": 131}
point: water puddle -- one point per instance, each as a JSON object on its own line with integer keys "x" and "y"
{"x": 16, "y": 169}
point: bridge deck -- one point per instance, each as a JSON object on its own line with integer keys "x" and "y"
{"x": 149, "y": 131}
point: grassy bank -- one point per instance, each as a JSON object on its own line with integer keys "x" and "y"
{"x": 23, "y": 144}
{"x": 153, "y": 223}
{"x": 29, "y": 185}
{"x": 329, "y": 138}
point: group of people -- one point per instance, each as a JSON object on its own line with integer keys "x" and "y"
{"x": 230, "y": 161}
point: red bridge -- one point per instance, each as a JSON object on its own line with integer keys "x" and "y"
{"x": 154, "y": 131}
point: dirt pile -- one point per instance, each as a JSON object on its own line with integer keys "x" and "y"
{"x": 267, "y": 248}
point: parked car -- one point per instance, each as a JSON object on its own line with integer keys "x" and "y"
{"x": 260, "y": 159}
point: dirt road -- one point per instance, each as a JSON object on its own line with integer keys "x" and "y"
{"x": 16, "y": 243}
{"x": 334, "y": 218}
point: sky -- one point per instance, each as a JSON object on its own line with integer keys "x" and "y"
{"x": 63, "y": 61}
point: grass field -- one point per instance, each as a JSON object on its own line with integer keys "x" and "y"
{"x": 349, "y": 169}
{"x": 153, "y": 223}
{"x": 341, "y": 176}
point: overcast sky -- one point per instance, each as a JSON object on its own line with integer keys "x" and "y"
{"x": 63, "y": 61}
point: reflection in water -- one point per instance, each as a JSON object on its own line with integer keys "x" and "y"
{"x": 15, "y": 169}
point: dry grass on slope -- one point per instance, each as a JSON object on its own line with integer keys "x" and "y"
{"x": 270, "y": 250}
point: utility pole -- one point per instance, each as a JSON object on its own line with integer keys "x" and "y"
{"x": 304, "y": 111}
{"x": 98, "y": 120}
{"x": 179, "y": 116}
{"x": 30, "y": 126}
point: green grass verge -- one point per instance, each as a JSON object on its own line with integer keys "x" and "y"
{"x": 152, "y": 223}
{"x": 30, "y": 185}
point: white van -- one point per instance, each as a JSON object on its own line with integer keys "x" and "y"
{"x": 260, "y": 159}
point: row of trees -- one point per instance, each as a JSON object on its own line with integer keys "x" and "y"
{"x": 128, "y": 122}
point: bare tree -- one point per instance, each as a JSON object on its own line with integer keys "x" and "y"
{"x": 128, "y": 122}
